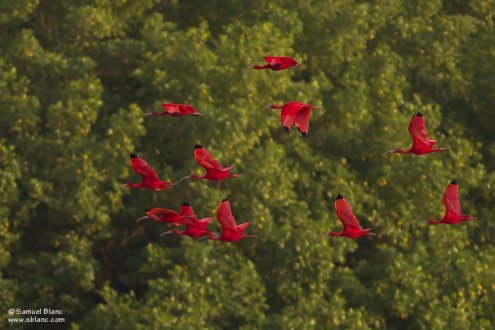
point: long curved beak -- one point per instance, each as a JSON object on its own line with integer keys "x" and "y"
{"x": 142, "y": 218}
{"x": 184, "y": 178}
{"x": 202, "y": 238}
{"x": 388, "y": 152}
{"x": 122, "y": 186}
{"x": 266, "y": 107}
{"x": 165, "y": 233}
{"x": 147, "y": 114}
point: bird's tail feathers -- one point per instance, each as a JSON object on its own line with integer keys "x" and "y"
{"x": 228, "y": 168}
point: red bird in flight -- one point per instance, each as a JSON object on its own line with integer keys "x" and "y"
{"x": 194, "y": 228}
{"x": 294, "y": 112}
{"x": 231, "y": 232}
{"x": 214, "y": 170}
{"x": 175, "y": 110}
{"x": 349, "y": 220}
{"x": 150, "y": 178}
{"x": 452, "y": 207}
{"x": 165, "y": 216}
{"x": 276, "y": 63}
{"x": 422, "y": 144}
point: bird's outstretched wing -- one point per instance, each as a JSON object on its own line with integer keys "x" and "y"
{"x": 302, "y": 120}
{"x": 285, "y": 61}
{"x": 205, "y": 159}
{"x": 162, "y": 212}
{"x": 186, "y": 109}
{"x": 451, "y": 200}
{"x": 142, "y": 168}
{"x": 190, "y": 218}
{"x": 418, "y": 132}
{"x": 186, "y": 210}
{"x": 171, "y": 108}
{"x": 289, "y": 112}
{"x": 225, "y": 217}
{"x": 345, "y": 214}
{"x": 168, "y": 216}
{"x": 272, "y": 60}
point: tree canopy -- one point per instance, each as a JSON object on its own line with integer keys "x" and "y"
{"x": 76, "y": 78}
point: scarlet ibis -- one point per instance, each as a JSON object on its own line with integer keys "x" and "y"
{"x": 175, "y": 110}
{"x": 214, "y": 170}
{"x": 165, "y": 216}
{"x": 452, "y": 207}
{"x": 277, "y": 63}
{"x": 294, "y": 112}
{"x": 231, "y": 232}
{"x": 422, "y": 144}
{"x": 349, "y": 220}
{"x": 194, "y": 227}
{"x": 149, "y": 177}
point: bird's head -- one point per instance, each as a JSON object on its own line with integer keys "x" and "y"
{"x": 334, "y": 234}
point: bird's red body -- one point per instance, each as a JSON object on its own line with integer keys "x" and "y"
{"x": 231, "y": 232}
{"x": 294, "y": 113}
{"x": 349, "y": 220}
{"x": 175, "y": 110}
{"x": 149, "y": 177}
{"x": 165, "y": 216}
{"x": 276, "y": 63}
{"x": 422, "y": 144}
{"x": 214, "y": 170}
{"x": 452, "y": 214}
{"x": 194, "y": 228}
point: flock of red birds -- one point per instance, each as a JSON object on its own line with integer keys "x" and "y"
{"x": 291, "y": 113}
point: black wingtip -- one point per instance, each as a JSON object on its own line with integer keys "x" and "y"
{"x": 339, "y": 196}
{"x": 146, "y": 211}
{"x": 419, "y": 114}
{"x": 225, "y": 200}
{"x": 186, "y": 204}
{"x": 286, "y": 129}
{"x": 198, "y": 146}
{"x": 453, "y": 182}
{"x": 133, "y": 155}
{"x": 304, "y": 135}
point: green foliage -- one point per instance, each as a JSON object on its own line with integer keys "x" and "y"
{"x": 77, "y": 76}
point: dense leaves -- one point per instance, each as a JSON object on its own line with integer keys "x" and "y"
{"x": 77, "y": 76}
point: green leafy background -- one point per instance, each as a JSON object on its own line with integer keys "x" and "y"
{"x": 77, "y": 76}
